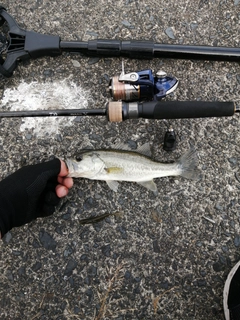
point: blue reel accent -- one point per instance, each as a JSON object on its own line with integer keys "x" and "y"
{"x": 155, "y": 87}
{"x": 164, "y": 86}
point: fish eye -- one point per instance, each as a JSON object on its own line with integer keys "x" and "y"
{"x": 79, "y": 158}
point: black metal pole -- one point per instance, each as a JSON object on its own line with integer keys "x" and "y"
{"x": 143, "y": 49}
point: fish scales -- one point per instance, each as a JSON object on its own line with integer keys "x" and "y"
{"x": 133, "y": 167}
{"x": 121, "y": 165}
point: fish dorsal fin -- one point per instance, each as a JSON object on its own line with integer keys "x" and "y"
{"x": 145, "y": 149}
{"x": 121, "y": 146}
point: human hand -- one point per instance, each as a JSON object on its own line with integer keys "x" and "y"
{"x": 32, "y": 191}
{"x": 64, "y": 183}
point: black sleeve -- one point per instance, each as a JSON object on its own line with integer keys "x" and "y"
{"x": 28, "y": 193}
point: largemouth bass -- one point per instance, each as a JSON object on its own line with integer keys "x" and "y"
{"x": 119, "y": 165}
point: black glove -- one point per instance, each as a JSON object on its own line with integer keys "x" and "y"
{"x": 28, "y": 193}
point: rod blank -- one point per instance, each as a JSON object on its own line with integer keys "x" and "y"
{"x": 53, "y": 113}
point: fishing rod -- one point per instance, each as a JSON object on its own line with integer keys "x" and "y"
{"x": 17, "y": 44}
{"x": 140, "y": 95}
{"x": 117, "y": 111}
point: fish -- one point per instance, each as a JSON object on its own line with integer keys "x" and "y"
{"x": 116, "y": 165}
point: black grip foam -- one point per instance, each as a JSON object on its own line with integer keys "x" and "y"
{"x": 185, "y": 109}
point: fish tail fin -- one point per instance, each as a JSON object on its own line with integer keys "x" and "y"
{"x": 188, "y": 165}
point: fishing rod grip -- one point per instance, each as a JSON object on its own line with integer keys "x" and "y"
{"x": 118, "y": 111}
{"x": 185, "y": 109}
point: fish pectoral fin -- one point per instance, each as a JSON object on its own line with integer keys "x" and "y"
{"x": 150, "y": 185}
{"x": 113, "y": 185}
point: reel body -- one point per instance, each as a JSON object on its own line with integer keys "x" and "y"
{"x": 142, "y": 85}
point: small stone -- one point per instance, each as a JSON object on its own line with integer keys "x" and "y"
{"x": 92, "y": 271}
{"x": 7, "y": 237}
{"x": 66, "y": 216}
{"x": 78, "y": 119}
{"x": 59, "y": 137}
{"x": 47, "y": 240}
{"x": 84, "y": 257}
{"x": 71, "y": 265}
{"x": 201, "y": 282}
{"x": 36, "y": 244}
{"x": 237, "y": 241}
{"x": 106, "y": 77}
{"x": 93, "y": 60}
{"x": 48, "y": 73}
{"x": 156, "y": 247}
{"x": 164, "y": 285}
{"x": 233, "y": 161}
{"x": 127, "y": 275}
{"x": 89, "y": 293}
{"x": 126, "y": 23}
{"x": 68, "y": 251}
{"x": 217, "y": 267}
{"x": 22, "y": 271}
{"x": 106, "y": 250}
{"x": 237, "y": 176}
{"x": 123, "y": 232}
{"x": 89, "y": 203}
{"x": 28, "y": 136}
{"x": 36, "y": 266}
{"x": 170, "y": 33}
{"x": 132, "y": 144}
{"x": 9, "y": 275}
{"x": 219, "y": 207}
{"x": 76, "y": 310}
{"x": 92, "y": 34}
{"x": 174, "y": 265}
{"x": 198, "y": 243}
{"x": 76, "y": 63}
{"x": 193, "y": 26}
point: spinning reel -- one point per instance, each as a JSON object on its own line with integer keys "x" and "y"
{"x": 142, "y": 85}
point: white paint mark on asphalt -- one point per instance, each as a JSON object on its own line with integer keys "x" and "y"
{"x": 45, "y": 96}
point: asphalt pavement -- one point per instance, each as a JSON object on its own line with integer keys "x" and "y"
{"x": 155, "y": 257}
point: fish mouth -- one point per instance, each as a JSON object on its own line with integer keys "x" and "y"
{"x": 71, "y": 167}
